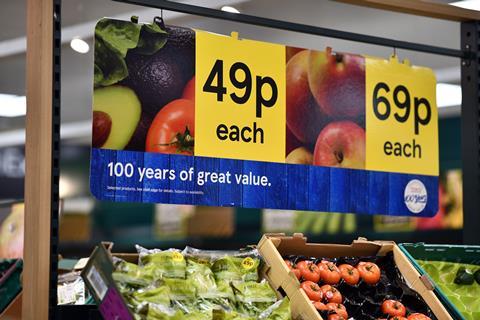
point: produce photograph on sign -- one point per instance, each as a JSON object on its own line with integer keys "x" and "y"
{"x": 325, "y": 108}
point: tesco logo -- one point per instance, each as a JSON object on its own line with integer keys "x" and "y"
{"x": 415, "y": 196}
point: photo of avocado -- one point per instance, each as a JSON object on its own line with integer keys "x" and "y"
{"x": 140, "y": 69}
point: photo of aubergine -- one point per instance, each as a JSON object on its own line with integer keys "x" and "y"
{"x": 161, "y": 77}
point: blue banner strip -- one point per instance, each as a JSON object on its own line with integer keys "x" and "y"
{"x": 128, "y": 176}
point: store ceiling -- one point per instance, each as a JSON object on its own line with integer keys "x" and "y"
{"x": 79, "y": 16}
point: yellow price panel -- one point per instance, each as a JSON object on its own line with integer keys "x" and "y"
{"x": 401, "y": 118}
{"x": 240, "y": 106}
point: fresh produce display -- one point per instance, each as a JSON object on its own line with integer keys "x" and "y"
{"x": 144, "y": 87}
{"x": 198, "y": 284}
{"x": 459, "y": 282}
{"x": 358, "y": 288}
{"x": 325, "y": 108}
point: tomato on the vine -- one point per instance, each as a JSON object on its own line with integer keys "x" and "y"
{"x": 418, "y": 316}
{"x": 329, "y": 272}
{"x": 311, "y": 273}
{"x": 369, "y": 272}
{"x": 349, "y": 274}
{"x": 173, "y": 129}
{"x": 338, "y": 308}
{"x": 320, "y": 306}
{"x": 393, "y": 308}
{"x": 303, "y": 264}
{"x": 331, "y": 294}
{"x": 312, "y": 290}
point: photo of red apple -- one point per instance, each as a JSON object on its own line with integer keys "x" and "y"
{"x": 337, "y": 81}
{"x": 341, "y": 144}
{"x": 291, "y": 51}
{"x": 304, "y": 117}
{"x": 300, "y": 155}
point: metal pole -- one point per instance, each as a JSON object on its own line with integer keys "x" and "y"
{"x": 296, "y": 27}
{"x": 470, "y": 40}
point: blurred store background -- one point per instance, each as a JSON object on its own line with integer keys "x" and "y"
{"x": 85, "y": 221}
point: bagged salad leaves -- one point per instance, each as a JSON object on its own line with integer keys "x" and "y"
{"x": 280, "y": 310}
{"x": 198, "y": 284}
{"x": 168, "y": 263}
{"x": 228, "y": 265}
{"x": 253, "y": 297}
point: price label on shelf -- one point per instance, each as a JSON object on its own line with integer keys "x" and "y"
{"x": 401, "y": 117}
{"x": 240, "y": 98}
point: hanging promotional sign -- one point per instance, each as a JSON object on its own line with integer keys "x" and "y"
{"x": 185, "y": 116}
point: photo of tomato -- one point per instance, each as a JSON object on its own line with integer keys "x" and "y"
{"x": 189, "y": 90}
{"x": 349, "y": 274}
{"x": 338, "y": 308}
{"x": 393, "y": 308}
{"x": 311, "y": 273}
{"x": 331, "y": 294}
{"x": 173, "y": 129}
{"x": 418, "y": 316}
{"x": 369, "y": 272}
{"x": 312, "y": 290}
{"x": 329, "y": 272}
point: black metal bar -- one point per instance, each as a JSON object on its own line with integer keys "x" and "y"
{"x": 55, "y": 182}
{"x": 297, "y": 27}
{"x": 470, "y": 40}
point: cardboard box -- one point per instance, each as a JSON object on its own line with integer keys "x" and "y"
{"x": 273, "y": 247}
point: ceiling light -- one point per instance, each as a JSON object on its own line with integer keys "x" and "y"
{"x": 79, "y": 45}
{"x": 12, "y": 105}
{"x": 467, "y": 4}
{"x": 449, "y": 95}
{"x": 230, "y": 9}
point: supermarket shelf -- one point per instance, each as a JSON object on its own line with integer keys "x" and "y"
{"x": 241, "y": 239}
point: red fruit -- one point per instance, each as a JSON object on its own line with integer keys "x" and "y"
{"x": 311, "y": 273}
{"x": 338, "y": 309}
{"x": 292, "y": 142}
{"x": 336, "y": 316}
{"x": 393, "y": 308}
{"x": 349, "y": 274}
{"x": 331, "y": 294}
{"x": 173, "y": 129}
{"x": 329, "y": 273}
{"x": 303, "y": 264}
{"x": 189, "y": 90}
{"x": 291, "y": 51}
{"x": 337, "y": 81}
{"x": 369, "y": 272}
{"x": 341, "y": 144}
{"x": 296, "y": 272}
{"x": 320, "y": 306}
{"x": 418, "y": 316}
{"x": 304, "y": 117}
{"x": 312, "y": 290}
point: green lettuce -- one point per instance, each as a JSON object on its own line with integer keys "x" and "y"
{"x": 113, "y": 40}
